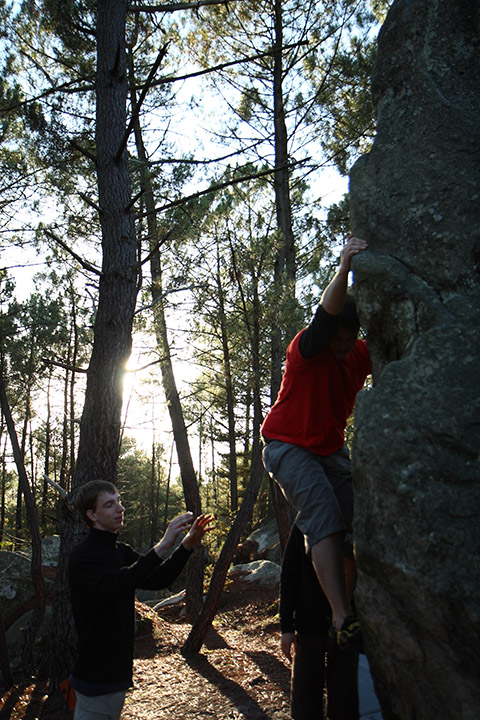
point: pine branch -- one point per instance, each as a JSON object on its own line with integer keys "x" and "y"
{"x": 61, "y": 491}
{"x": 155, "y": 248}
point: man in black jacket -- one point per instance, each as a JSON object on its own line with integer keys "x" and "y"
{"x": 103, "y": 577}
{"x": 318, "y": 663}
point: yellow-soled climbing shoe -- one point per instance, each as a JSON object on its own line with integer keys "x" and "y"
{"x": 350, "y": 636}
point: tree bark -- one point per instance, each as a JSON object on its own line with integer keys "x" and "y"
{"x": 101, "y": 418}
{"x": 285, "y": 263}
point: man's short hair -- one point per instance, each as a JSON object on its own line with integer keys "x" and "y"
{"x": 88, "y": 494}
{"x": 348, "y": 318}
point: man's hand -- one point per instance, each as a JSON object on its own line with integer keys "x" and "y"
{"x": 179, "y": 524}
{"x": 286, "y": 642}
{"x": 202, "y": 525}
{"x": 333, "y": 297}
{"x": 353, "y": 246}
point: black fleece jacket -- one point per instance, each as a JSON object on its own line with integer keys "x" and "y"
{"x": 103, "y": 577}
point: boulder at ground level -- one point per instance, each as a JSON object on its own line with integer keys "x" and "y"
{"x": 262, "y": 544}
{"x": 263, "y": 572}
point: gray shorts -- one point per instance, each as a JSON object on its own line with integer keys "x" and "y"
{"x": 99, "y": 707}
{"x": 319, "y": 488}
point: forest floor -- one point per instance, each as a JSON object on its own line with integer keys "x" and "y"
{"x": 238, "y": 674}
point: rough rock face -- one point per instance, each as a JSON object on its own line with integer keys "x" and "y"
{"x": 416, "y": 199}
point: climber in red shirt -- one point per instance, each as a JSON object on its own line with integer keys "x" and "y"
{"x": 305, "y": 450}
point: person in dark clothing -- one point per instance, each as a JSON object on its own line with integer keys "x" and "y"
{"x": 103, "y": 576}
{"x": 318, "y": 663}
{"x": 326, "y": 366}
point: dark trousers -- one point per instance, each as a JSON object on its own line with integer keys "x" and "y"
{"x": 323, "y": 678}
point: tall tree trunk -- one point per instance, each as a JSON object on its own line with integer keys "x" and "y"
{"x": 153, "y": 495}
{"x": 4, "y": 483}
{"x": 65, "y": 423}
{"x": 101, "y": 417}
{"x": 23, "y": 444}
{"x": 285, "y": 266}
{"x": 285, "y": 263}
{"x": 167, "y": 490}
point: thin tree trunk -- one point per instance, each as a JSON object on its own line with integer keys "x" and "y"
{"x": 73, "y": 378}
{"x": 23, "y": 443}
{"x": 153, "y": 494}
{"x": 4, "y": 484}
{"x": 33, "y": 625}
{"x": 167, "y": 491}
{"x": 197, "y": 634}
{"x": 200, "y": 627}
{"x": 46, "y": 460}
{"x": 232, "y": 455}
{"x": 65, "y": 425}
{"x": 195, "y": 567}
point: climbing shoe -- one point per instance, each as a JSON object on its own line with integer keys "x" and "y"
{"x": 349, "y": 636}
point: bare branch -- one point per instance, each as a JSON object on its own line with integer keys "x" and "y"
{"x": 134, "y": 200}
{"x": 86, "y": 199}
{"x": 221, "y": 66}
{"x": 221, "y": 186}
{"x": 155, "y": 249}
{"x": 86, "y": 265}
{"x": 145, "y": 367}
{"x": 143, "y": 94}
{"x": 61, "y": 491}
{"x": 172, "y": 7}
{"x": 65, "y": 366}
{"x": 82, "y": 150}
{"x": 162, "y": 297}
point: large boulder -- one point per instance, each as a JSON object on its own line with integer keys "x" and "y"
{"x": 416, "y": 199}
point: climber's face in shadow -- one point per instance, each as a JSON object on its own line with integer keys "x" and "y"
{"x": 342, "y": 343}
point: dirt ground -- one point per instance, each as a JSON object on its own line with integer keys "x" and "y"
{"x": 238, "y": 674}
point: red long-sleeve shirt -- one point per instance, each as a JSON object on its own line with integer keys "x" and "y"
{"x": 317, "y": 393}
